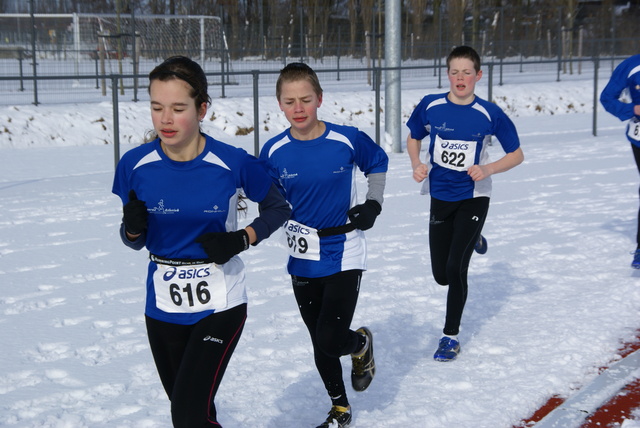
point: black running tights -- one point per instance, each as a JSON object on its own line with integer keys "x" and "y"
{"x": 191, "y": 360}
{"x": 327, "y": 305}
{"x": 636, "y": 155}
{"x": 454, "y": 229}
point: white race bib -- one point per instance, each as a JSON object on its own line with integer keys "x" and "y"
{"x": 302, "y": 241}
{"x": 633, "y": 131}
{"x": 454, "y": 154}
{"x": 189, "y": 289}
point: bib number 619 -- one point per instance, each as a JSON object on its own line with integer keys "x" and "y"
{"x": 302, "y": 241}
{"x": 297, "y": 244}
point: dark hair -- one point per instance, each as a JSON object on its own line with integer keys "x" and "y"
{"x": 298, "y": 71}
{"x": 183, "y": 68}
{"x": 465, "y": 52}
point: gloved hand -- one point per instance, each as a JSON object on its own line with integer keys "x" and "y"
{"x": 135, "y": 215}
{"x": 221, "y": 246}
{"x": 363, "y": 216}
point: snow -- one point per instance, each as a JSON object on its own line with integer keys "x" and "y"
{"x": 549, "y": 304}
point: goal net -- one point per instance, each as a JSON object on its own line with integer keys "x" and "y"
{"x": 158, "y": 36}
{"x": 82, "y": 35}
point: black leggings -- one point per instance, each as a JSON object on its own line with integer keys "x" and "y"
{"x": 454, "y": 229}
{"x": 327, "y": 305}
{"x": 191, "y": 360}
{"x": 636, "y": 155}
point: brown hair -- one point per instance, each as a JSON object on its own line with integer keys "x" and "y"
{"x": 465, "y": 52}
{"x": 298, "y": 71}
{"x": 183, "y": 68}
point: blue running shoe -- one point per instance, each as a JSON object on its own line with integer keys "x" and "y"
{"x": 636, "y": 259}
{"x": 448, "y": 349}
{"x": 481, "y": 245}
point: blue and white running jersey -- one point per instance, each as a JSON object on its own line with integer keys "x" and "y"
{"x": 187, "y": 199}
{"x": 626, "y": 76}
{"x": 318, "y": 177}
{"x": 459, "y": 135}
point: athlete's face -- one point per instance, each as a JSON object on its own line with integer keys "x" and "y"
{"x": 175, "y": 116}
{"x": 300, "y": 105}
{"x": 462, "y": 80}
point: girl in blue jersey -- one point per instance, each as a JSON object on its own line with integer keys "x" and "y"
{"x": 457, "y": 173}
{"x": 180, "y": 194}
{"x": 316, "y": 164}
{"x": 626, "y": 76}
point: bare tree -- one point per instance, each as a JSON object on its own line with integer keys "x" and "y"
{"x": 456, "y": 20}
{"x": 366, "y": 12}
{"x": 417, "y": 10}
{"x": 318, "y": 14}
{"x": 496, "y": 27}
{"x": 275, "y": 30}
{"x": 157, "y": 7}
{"x": 353, "y": 25}
{"x": 232, "y": 9}
{"x": 475, "y": 18}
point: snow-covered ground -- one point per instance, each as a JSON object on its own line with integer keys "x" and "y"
{"x": 548, "y": 304}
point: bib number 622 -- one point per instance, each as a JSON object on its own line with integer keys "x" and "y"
{"x": 453, "y": 158}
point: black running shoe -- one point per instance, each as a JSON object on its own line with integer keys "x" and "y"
{"x": 364, "y": 366}
{"x": 337, "y": 415}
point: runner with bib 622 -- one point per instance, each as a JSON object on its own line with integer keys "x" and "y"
{"x": 457, "y": 173}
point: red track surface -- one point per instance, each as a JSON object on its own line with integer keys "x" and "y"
{"x": 609, "y": 415}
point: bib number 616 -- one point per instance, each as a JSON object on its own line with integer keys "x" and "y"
{"x": 201, "y": 294}
{"x": 634, "y": 129}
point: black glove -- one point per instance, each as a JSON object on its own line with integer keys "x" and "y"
{"x": 135, "y": 215}
{"x": 364, "y": 215}
{"x": 221, "y": 246}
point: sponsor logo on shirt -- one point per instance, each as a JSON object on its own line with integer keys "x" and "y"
{"x": 161, "y": 209}
{"x": 454, "y": 146}
{"x": 443, "y": 128}
{"x": 215, "y": 209}
{"x": 285, "y": 175}
{"x": 340, "y": 171}
{"x": 186, "y": 273}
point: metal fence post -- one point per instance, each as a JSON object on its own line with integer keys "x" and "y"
{"x": 33, "y": 56}
{"x": 116, "y": 119}
{"x": 97, "y": 72}
{"x": 20, "y": 53}
{"x": 596, "y": 65}
{"x": 222, "y": 74}
{"x": 490, "y": 88}
{"x": 256, "y": 112}
{"x": 376, "y": 83}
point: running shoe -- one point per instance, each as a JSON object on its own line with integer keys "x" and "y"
{"x": 481, "y": 245}
{"x": 636, "y": 259}
{"x": 339, "y": 417}
{"x": 363, "y": 365}
{"x": 448, "y": 349}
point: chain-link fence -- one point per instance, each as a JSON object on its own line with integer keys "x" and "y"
{"x": 68, "y": 57}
